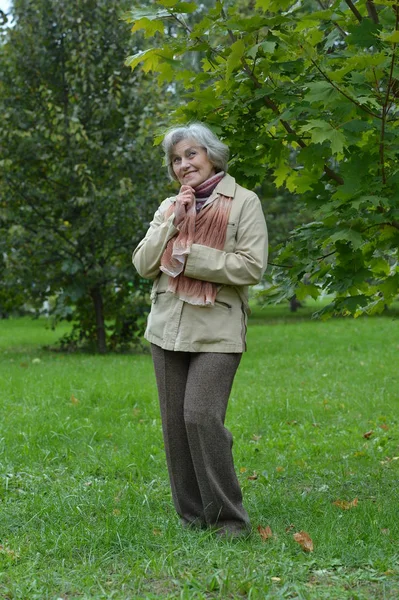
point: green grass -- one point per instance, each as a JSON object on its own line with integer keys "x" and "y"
{"x": 85, "y": 506}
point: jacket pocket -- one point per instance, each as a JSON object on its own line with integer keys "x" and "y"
{"x": 223, "y": 304}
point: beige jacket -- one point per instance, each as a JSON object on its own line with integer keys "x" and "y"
{"x": 176, "y": 325}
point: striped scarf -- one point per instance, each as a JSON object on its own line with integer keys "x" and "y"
{"x": 207, "y": 228}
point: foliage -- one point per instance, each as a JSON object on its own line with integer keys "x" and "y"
{"x": 86, "y": 510}
{"x": 77, "y": 185}
{"x": 305, "y": 93}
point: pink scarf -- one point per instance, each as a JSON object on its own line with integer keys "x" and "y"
{"x": 207, "y": 228}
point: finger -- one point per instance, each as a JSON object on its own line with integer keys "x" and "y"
{"x": 186, "y": 188}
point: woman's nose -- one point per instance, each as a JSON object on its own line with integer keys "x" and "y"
{"x": 185, "y": 162}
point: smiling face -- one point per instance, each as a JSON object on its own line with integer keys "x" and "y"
{"x": 191, "y": 164}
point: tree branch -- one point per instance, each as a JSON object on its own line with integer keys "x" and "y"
{"x": 335, "y": 86}
{"x": 343, "y": 33}
{"x": 386, "y": 107}
{"x": 354, "y": 10}
{"x": 372, "y": 11}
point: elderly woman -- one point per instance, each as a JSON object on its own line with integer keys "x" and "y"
{"x": 203, "y": 249}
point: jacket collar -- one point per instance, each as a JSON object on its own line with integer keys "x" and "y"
{"x": 226, "y": 187}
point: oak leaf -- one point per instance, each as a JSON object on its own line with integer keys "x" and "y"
{"x": 304, "y": 540}
{"x": 345, "y": 505}
{"x": 265, "y": 532}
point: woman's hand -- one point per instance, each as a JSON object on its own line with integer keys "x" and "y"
{"x": 184, "y": 201}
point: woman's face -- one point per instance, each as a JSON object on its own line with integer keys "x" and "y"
{"x": 191, "y": 164}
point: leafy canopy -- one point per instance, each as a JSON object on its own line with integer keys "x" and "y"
{"x": 75, "y": 188}
{"x": 305, "y": 94}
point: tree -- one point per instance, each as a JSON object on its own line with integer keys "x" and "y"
{"x": 305, "y": 93}
{"x": 77, "y": 181}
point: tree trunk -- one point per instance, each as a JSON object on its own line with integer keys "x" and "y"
{"x": 294, "y": 304}
{"x": 100, "y": 325}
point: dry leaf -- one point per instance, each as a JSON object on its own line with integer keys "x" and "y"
{"x": 368, "y": 434}
{"x": 255, "y": 437}
{"x": 74, "y": 400}
{"x": 304, "y": 540}
{"x": 384, "y": 426}
{"x": 279, "y": 469}
{"x": 385, "y": 531}
{"x": 116, "y": 512}
{"x": 243, "y": 469}
{"x": 253, "y": 477}
{"x": 156, "y": 532}
{"x": 7, "y": 551}
{"x": 276, "y": 579}
{"x": 345, "y": 505}
{"x": 265, "y": 532}
{"x": 289, "y": 528}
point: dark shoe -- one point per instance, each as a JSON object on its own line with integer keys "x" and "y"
{"x": 233, "y": 530}
{"x": 195, "y": 524}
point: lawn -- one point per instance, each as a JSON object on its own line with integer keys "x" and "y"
{"x": 85, "y": 506}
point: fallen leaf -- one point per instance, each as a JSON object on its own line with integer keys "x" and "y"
{"x": 24, "y": 365}
{"x": 116, "y": 511}
{"x": 256, "y": 438}
{"x": 345, "y": 505}
{"x": 289, "y": 528}
{"x": 385, "y": 531}
{"x": 74, "y": 400}
{"x": 265, "y": 532}
{"x": 253, "y": 477}
{"x": 276, "y": 579}
{"x": 304, "y": 540}
{"x": 156, "y": 532}
{"x": 368, "y": 434}
{"x": 7, "y": 551}
{"x": 292, "y": 422}
{"x": 279, "y": 469}
{"x": 384, "y": 426}
{"x": 243, "y": 469}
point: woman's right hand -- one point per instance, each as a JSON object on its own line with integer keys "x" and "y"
{"x": 184, "y": 201}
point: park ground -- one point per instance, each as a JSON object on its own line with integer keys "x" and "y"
{"x": 85, "y": 506}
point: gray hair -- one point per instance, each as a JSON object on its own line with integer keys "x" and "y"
{"x": 218, "y": 153}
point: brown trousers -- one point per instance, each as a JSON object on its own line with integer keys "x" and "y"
{"x": 194, "y": 389}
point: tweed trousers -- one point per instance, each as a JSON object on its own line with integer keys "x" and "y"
{"x": 194, "y": 389}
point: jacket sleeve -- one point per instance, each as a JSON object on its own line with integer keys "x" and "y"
{"x": 244, "y": 266}
{"x": 147, "y": 256}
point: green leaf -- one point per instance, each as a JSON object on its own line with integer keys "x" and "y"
{"x": 150, "y": 26}
{"x": 352, "y": 236}
{"x": 302, "y": 291}
{"x": 234, "y": 58}
{"x": 391, "y": 37}
{"x": 390, "y": 287}
{"x": 337, "y": 140}
{"x": 321, "y": 91}
{"x": 363, "y": 34}
{"x": 149, "y": 57}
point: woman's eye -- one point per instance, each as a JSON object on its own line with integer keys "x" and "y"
{"x": 176, "y": 160}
